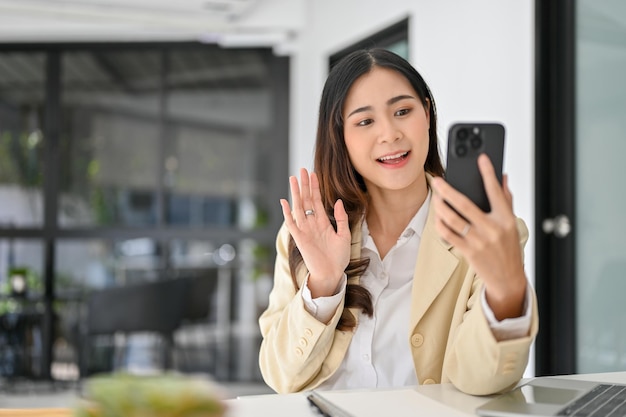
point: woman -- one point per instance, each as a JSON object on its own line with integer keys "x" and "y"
{"x": 378, "y": 281}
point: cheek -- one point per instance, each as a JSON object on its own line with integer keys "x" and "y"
{"x": 424, "y": 130}
{"x": 353, "y": 154}
{"x": 351, "y": 140}
{"x": 356, "y": 152}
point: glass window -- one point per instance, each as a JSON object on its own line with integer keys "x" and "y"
{"x": 400, "y": 47}
{"x": 21, "y": 280}
{"x": 67, "y": 339}
{"x": 192, "y": 254}
{"x": 196, "y": 154}
{"x": 22, "y": 86}
{"x": 219, "y": 106}
{"x": 110, "y": 138}
{"x": 170, "y": 162}
{"x": 82, "y": 265}
{"x": 86, "y": 264}
{"x": 21, "y": 308}
{"x": 394, "y": 38}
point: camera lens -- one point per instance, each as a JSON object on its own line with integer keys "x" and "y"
{"x": 462, "y": 134}
{"x": 476, "y": 141}
{"x": 461, "y": 150}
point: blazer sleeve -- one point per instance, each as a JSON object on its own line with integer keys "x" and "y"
{"x": 295, "y": 344}
{"x": 477, "y": 363}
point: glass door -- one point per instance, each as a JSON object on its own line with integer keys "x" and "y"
{"x": 600, "y": 194}
{"x": 580, "y": 198}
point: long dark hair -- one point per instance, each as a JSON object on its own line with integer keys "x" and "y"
{"x": 338, "y": 178}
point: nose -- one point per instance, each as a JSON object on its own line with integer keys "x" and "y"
{"x": 389, "y": 131}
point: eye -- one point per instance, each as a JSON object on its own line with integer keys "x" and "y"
{"x": 365, "y": 122}
{"x": 402, "y": 112}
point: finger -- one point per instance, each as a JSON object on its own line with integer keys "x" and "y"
{"x": 298, "y": 211}
{"x": 507, "y": 191}
{"x": 493, "y": 188}
{"x": 316, "y": 195}
{"x": 291, "y": 224}
{"x": 341, "y": 217}
{"x": 459, "y": 202}
{"x": 450, "y": 218}
{"x": 448, "y": 234}
{"x": 305, "y": 189}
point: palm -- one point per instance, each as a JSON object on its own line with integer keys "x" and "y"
{"x": 326, "y": 252}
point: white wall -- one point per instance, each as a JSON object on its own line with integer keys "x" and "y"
{"x": 476, "y": 55}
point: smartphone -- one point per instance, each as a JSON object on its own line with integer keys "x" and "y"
{"x": 466, "y": 141}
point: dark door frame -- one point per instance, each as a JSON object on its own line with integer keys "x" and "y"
{"x": 555, "y": 106}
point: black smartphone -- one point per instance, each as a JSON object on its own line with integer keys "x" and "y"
{"x": 465, "y": 142}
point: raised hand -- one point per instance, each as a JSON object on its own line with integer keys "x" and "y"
{"x": 489, "y": 241}
{"x": 326, "y": 253}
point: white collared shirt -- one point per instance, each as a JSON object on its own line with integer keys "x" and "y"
{"x": 379, "y": 355}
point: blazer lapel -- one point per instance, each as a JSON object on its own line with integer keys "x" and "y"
{"x": 434, "y": 267}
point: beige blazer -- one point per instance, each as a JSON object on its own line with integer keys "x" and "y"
{"x": 449, "y": 335}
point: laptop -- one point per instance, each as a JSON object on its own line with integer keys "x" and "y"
{"x": 559, "y": 397}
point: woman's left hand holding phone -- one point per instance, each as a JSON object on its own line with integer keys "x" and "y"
{"x": 326, "y": 252}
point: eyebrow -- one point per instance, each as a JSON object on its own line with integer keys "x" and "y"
{"x": 391, "y": 101}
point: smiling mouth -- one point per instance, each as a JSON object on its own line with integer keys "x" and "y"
{"x": 393, "y": 159}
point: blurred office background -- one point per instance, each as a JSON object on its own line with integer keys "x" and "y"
{"x": 144, "y": 147}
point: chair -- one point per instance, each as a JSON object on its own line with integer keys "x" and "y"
{"x": 156, "y": 307}
{"x": 198, "y": 338}
{"x": 199, "y": 302}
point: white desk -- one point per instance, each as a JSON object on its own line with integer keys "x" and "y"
{"x": 423, "y": 400}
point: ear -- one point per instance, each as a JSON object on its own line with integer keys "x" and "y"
{"x": 427, "y": 109}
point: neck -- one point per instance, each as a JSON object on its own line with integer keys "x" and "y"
{"x": 390, "y": 211}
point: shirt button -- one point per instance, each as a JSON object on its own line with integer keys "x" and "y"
{"x": 308, "y": 332}
{"x": 303, "y": 342}
{"x": 417, "y": 340}
{"x": 366, "y": 357}
{"x": 299, "y": 352}
{"x": 429, "y": 381}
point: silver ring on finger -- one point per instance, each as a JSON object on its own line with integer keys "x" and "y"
{"x": 309, "y": 212}
{"x": 466, "y": 230}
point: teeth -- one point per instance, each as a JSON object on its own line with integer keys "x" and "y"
{"x": 398, "y": 155}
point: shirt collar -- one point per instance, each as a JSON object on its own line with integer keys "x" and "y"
{"x": 416, "y": 225}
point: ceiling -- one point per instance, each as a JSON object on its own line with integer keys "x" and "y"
{"x": 230, "y": 23}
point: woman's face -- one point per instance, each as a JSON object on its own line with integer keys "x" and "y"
{"x": 386, "y": 130}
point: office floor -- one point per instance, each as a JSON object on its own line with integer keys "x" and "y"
{"x": 30, "y": 394}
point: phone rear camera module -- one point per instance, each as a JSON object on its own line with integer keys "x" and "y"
{"x": 461, "y": 150}
{"x": 476, "y": 142}
{"x": 462, "y": 134}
